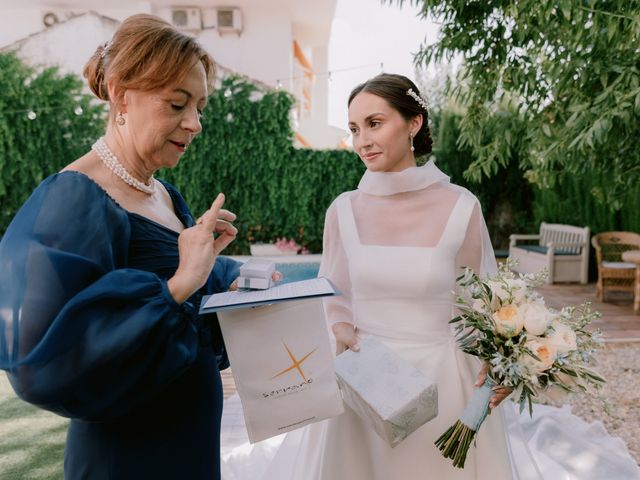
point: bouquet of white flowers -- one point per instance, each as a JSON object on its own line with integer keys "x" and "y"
{"x": 529, "y": 347}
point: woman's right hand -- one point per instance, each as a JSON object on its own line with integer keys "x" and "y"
{"x": 198, "y": 247}
{"x": 346, "y": 337}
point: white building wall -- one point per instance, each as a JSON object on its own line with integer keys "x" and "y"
{"x": 320, "y": 60}
{"x": 56, "y": 47}
{"x": 262, "y": 50}
{"x": 17, "y": 23}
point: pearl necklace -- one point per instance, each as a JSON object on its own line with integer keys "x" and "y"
{"x": 112, "y": 163}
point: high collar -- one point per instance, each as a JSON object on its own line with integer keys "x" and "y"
{"x": 408, "y": 180}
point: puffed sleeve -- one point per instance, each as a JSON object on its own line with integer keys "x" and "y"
{"x": 476, "y": 251}
{"x": 81, "y": 334}
{"x": 225, "y": 271}
{"x": 335, "y": 267}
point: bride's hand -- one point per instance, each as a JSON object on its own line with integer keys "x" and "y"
{"x": 346, "y": 337}
{"x": 500, "y": 392}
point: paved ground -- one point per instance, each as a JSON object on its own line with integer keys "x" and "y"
{"x": 618, "y": 322}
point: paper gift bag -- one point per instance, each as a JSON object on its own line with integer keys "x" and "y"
{"x": 282, "y": 366}
{"x": 386, "y": 391}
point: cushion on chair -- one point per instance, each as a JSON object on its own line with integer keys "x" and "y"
{"x": 543, "y": 250}
{"x": 621, "y": 265}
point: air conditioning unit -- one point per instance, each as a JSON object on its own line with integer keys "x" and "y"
{"x": 223, "y": 19}
{"x": 186, "y": 18}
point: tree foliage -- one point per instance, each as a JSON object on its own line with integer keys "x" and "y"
{"x": 567, "y": 71}
{"x": 505, "y": 201}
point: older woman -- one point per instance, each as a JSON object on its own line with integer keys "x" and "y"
{"x": 103, "y": 268}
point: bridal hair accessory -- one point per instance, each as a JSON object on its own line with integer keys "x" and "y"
{"x": 120, "y": 120}
{"x": 418, "y": 98}
{"x": 112, "y": 163}
{"x": 103, "y": 51}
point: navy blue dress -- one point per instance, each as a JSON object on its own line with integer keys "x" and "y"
{"x": 89, "y": 330}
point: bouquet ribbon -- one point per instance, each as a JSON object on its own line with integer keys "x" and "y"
{"x": 455, "y": 442}
{"x": 478, "y": 407}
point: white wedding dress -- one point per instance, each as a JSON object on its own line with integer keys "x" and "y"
{"x": 394, "y": 248}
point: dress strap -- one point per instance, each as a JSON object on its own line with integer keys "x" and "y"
{"x": 456, "y": 229}
{"x": 347, "y": 224}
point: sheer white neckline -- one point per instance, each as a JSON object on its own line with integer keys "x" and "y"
{"x": 407, "y": 180}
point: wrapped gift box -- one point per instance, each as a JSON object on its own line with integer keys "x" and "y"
{"x": 386, "y": 391}
{"x": 254, "y": 283}
{"x": 258, "y": 268}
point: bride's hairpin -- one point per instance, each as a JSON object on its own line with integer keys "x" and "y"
{"x": 418, "y": 98}
{"x": 105, "y": 47}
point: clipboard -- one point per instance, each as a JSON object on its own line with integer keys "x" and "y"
{"x": 311, "y": 288}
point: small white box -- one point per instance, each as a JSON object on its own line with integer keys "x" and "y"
{"x": 386, "y": 391}
{"x": 254, "y": 283}
{"x": 258, "y": 268}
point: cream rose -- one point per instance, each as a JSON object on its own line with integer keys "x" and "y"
{"x": 563, "y": 338}
{"x": 544, "y": 350}
{"x": 508, "y": 321}
{"x": 536, "y": 318}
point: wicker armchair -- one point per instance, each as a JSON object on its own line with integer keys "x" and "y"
{"x": 613, "y": 273}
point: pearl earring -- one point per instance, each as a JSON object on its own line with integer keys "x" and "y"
{"x": 120, "y": 120}
{"x": 413, "y": 149}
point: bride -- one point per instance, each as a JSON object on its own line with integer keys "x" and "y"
{"x": 394, "y": 247}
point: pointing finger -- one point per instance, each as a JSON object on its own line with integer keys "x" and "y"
{"x": 210, "y": 217}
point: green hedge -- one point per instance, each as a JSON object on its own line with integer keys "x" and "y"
{"x": 65, "y": 125}
{"x": 245, "y": 150}
{"x": 575, "y": 201}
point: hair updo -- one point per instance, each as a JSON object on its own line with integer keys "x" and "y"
{"x": 145, "y": 53}
{"x": 393, "y": 88}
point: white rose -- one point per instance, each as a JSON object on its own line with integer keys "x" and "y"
{"x": 544, "y": 350}
{"x": 498, "y": 291}
{"x": 536, "y": 318}
{"x": 518, "y": 290}
{"x": 563, "y": 337}
{"x": 508, "y": 321}
{"x": 511, "y": 290}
